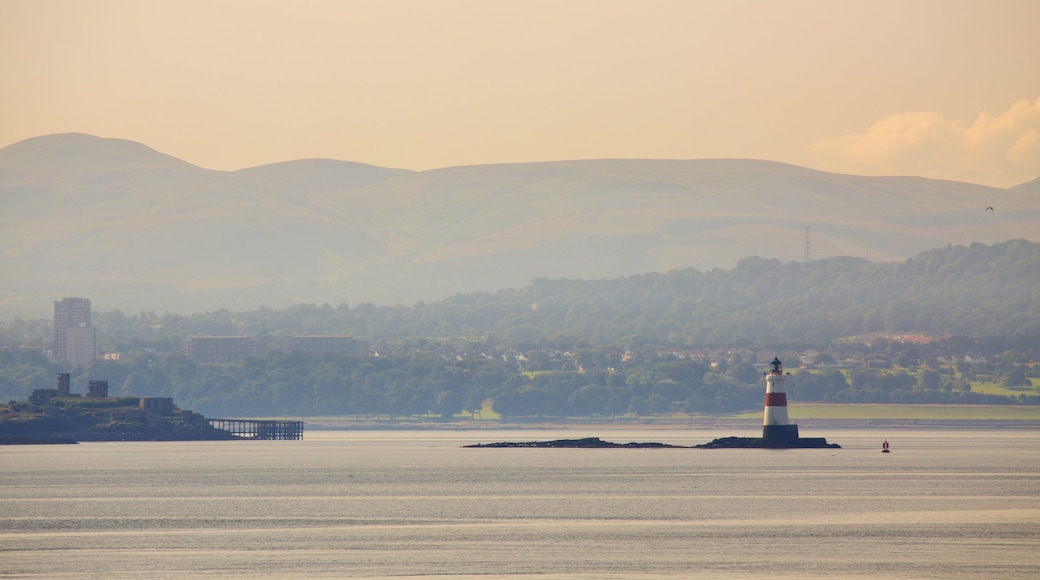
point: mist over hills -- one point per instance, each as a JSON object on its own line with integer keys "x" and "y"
{"x": 135, "y": 229}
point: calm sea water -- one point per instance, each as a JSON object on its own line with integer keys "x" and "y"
{"x": 943, "y": 504}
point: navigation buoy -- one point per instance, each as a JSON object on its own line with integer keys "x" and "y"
{"x": 884, "y": 447}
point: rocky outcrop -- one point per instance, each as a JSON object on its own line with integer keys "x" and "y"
{"x": 585, "y": 443}
{"x": 722, "y": 443}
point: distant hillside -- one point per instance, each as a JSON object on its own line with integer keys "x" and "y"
{"x": 977, "y": 290}
{"x": 318, "y": 175}
{"x": 1030, "y": 187}
{"x": 132, "y": 228}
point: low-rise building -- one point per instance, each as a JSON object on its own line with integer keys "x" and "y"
{"x": 209, "y": 349}
{"x": 97, "y": 390}
{"x": 160, "y": 405}
{"x": 330, "y": 343}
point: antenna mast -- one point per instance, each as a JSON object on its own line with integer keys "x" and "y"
{"x": 807, "y": 254}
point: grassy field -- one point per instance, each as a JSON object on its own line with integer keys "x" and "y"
{"x": 924, "y": 412}
{"x": 995, "y": 389}
{"x": 486, "y": 412}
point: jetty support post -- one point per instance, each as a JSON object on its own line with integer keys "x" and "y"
{"x": 264, "y": 430}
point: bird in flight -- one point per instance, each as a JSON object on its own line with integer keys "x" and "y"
{"x": 990, "y": 208}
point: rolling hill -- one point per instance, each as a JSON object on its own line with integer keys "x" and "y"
{"x": 132, "y": 228}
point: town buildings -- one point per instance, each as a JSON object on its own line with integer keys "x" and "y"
{"x": 222, "y": 349}
{"x": 330, "y": 343}
{"x": 211, "y": 349}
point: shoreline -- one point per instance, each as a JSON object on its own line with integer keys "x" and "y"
{"x": 700, "y": 424}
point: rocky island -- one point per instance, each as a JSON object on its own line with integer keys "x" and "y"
{"x": 584, "y": 443}
{"x": 57, "y": 416}
{"x": 777, "y": 431}
{"x": 721, "y": 443}
{"x": 121, "y": 419}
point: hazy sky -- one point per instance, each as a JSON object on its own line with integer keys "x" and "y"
{"x": 943, "y": 89}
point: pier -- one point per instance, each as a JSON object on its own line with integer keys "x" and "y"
{"x": 266, "y": 430}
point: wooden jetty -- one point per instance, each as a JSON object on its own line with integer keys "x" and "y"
{"x": 266, "y": 430}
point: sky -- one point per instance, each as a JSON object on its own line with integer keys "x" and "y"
{"x": 941, "y": 89}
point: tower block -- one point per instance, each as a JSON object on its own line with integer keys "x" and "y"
{"x": 775, "y": 426}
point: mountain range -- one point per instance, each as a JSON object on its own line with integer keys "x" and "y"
{"x": 135, "y": 229}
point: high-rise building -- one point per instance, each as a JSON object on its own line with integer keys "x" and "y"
{"x": 70, "y": 316}
{"x": 80, "y": 345}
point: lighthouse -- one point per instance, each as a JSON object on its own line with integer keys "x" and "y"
{"x": 777, "y": 432}
{"x": 775, "y": 426}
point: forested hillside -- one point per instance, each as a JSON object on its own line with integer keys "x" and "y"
{"x": 975, "y": 290}
{"x": 681, "y": 341}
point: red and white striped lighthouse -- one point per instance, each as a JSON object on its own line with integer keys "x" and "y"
{"x": 775, "y": 425}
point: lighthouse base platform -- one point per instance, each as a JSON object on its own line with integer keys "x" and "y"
{"x": 773, "y": 437}
{"x": 780, "y": 432}
{"x": 763, "y": 443}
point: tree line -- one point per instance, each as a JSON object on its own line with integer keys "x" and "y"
{"x": 429, "y": 384}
